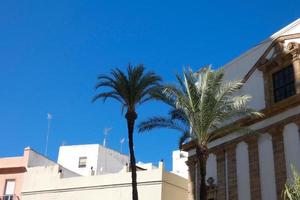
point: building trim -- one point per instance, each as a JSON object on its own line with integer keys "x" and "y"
{"x": 280, "y": 107}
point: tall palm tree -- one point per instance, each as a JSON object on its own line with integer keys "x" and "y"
{"x": 130, "y": 89}
{"x": 202, "y": 104}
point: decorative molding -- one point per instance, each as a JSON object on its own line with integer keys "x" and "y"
{"x": 245, "y": 122}
{"x": 294, "y": 49}
{"x": 263, "y": 56}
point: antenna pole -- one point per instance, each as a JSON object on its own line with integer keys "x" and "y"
{"x": 121, "y": 144}
{"x": 49, "y": 117}
{"x": 106, "y": 131}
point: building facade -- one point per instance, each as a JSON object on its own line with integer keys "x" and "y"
{"x": 91, "y": 159}
{"x": 12, "y": 170}
{"x": 256, "y": 167}
{"x": 153, "y": 184}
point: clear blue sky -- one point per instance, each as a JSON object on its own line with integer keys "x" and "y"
{"x": 52, "y": 51}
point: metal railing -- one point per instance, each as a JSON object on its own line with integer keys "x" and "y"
{"x": 9, "y": 197}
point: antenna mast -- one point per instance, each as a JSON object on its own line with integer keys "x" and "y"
{"x": 49, "y": 117}
{"x": 106, "y": 132}
{"x": 121, "y": 144}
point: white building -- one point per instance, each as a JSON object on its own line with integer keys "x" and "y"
{"x": 179, "y": 166}
{"x": 153, "y": 184}
{"x": 257, "y": 166}
{"x": 91, "y": 159}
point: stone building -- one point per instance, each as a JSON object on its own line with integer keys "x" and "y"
{"x": 256, "y": 167}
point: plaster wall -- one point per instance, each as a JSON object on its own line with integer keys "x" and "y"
{"x": 103, "y": 160}
{"x": 12, "y": 169}
{"x": 110, "y": 161}
{"x": 266, "y": 167}
{"x": 179, "y": 166}
{"x": 291, "y": 148}
{"x": 211, "y": 167}
{"x": 69, "y": 158}
{"x": 242, "y": 166}
{"x": 154, "y": 184}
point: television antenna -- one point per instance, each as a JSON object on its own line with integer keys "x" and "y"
{"x": 121, "y": 144}
{"x": 106, "y": 132}
{"x": 49, "y": 118}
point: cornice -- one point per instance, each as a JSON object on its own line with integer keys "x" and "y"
{"x": 245, "y": 122}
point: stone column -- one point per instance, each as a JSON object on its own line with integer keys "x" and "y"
{"x": 297, "y": 122}
{"x": 232, "y": 179}
{"x": 254, "y": 168}
{"x": 191, "y": 163}
{"x": 221, "y": 185}
{"x": 294, "y": 49}
{"x": 279, "y": 159}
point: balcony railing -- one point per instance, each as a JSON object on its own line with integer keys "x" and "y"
{"x": 9, "y": 197}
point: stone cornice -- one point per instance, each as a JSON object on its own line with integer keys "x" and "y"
{"x": 245, "y": 122}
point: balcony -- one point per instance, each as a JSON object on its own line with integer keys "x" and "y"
{"x": 9, "y": 197}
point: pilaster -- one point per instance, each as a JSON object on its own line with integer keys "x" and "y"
{"x": 279, "y": 159}
{"x": 255, "y": 187}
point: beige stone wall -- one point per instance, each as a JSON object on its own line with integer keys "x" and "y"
{"x": 46, "y": 183}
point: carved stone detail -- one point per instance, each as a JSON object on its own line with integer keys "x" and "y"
{"x": 294, "y": 49}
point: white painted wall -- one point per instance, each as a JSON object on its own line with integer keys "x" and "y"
{"x": 179, "y": 166}
{"x": 242, "y": 166}
{"x": 36, "y": 159}
{"x": 103, "y": 160}
{"x": 110, "y": 161}
{"x": 291, "y": 148}
{"x": 211, "y": 167}
{"x": 255, "y": 88}
{"x": 68, "y": 157}
{"x": 266, "y": 167}
{"x": 238, "y": 68}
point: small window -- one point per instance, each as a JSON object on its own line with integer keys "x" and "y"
{"x": 9, "y": 190}
{"x": 82, "y": 162}
{"x": 284, "y": 83}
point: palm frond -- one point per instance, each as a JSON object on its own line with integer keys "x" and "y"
{"x": 131, "y": 88}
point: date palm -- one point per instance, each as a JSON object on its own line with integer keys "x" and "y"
{"x": 202, "y": 104}
{"x": 130, "y": 89}
{"x": 292, "y": 190}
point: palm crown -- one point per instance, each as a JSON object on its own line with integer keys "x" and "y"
{"x": 201, "y": 104}
{"x": 129, "y": 89}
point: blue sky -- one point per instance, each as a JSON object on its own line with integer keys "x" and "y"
{"x": 52, "y": 51}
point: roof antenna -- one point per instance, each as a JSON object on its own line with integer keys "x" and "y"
{"x": 106, "y": 132}
{"x": 121, "y": 144}
{"x": 49, "y": 117}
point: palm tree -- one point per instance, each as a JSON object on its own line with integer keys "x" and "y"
{"x": 131, "y": 89}
{"x": 292, "y": 190}
{"x": 202, "y": 104}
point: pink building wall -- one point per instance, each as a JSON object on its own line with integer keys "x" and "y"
{"x": 13, "y": 168}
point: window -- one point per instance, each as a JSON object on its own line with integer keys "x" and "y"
{"x": 82, "y": 162}
{"x": 9, "y": 190}
{"x": 283, "y": 83}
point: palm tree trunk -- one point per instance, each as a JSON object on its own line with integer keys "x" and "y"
{"x": 202, "y": 155}
{"x": 131, "y": 117}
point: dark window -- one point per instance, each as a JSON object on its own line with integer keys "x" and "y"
{"x": 82, "y": 162}
{"x": 284, "y": 83}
